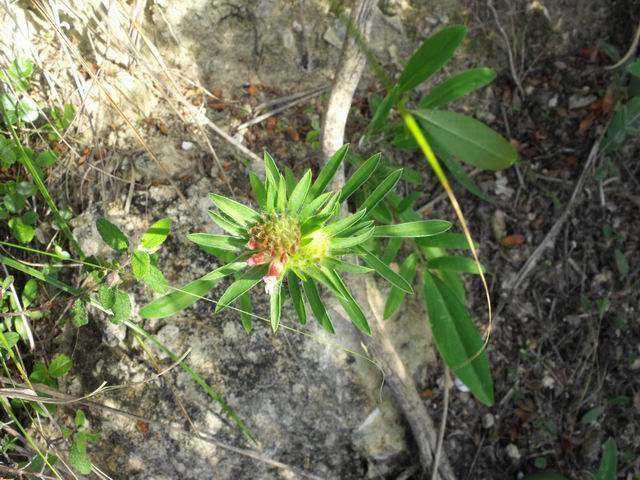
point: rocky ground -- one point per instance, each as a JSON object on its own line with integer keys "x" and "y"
{"x": 311, "y": 402}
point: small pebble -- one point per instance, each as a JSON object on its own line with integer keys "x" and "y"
{"x": 488, "y": 421}
{"x": 186, "y": 146}
{"x": 512, "y": 452}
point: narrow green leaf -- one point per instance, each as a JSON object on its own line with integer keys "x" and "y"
{"x": 223, "y": 242}
{"x": 227, "y": 225}
{"x": 468, "y": 139}
{"x": 396, "y": 296}
{"x": 349, "y": 303}
{"x": 316, "y": 204}
{"x": 352, "y": 241}
{"x": 359, "y": 177}
{"x": 447, "y": 240}
{"x": 155, "y": 235}
{"x": 328, "y": 171}
{"x": 434, "y": 52}
{"x": 240, "y": 213}
{"x": 271, "y": 169}
{"x": 140, "y": 262}
{"x": 422, "y": 228}
{"x": 296, "y": 297}
{"x": 384, "y": 271}
{"x": 609, "y": 463}
{"x": 258, "y": 189}
{"x": 457, "y": 338}
{"x": 457, "y": 87}
{"x": 272, "y": 190}
{"x": 245, "y": 283}
{"x": 342, "y": 266}
{"x": 276, "y": 306}
{"x": 111, "y": 235}
{"x": 299, "y": 193}
{"x": 246, "y": 311}
{"x": 290, "y": 180}
{"x": 454, "y": 263}
{"x": 60, "y": 366}
{"x": 281, "y": 196}
{"x": 317, "y": 307}
{"x": 335, "y": 228}
{"x": 189, "y": 294}
{"x": 390, "y": 252}
{"x": 382, "y": 112}
{"x": 382, "y": 190}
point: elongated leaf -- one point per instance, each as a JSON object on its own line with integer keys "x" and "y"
{"x": 384, "y": 271}
{"x": 357, "y": 179}
{"x": 336, "y": 228}
{"x": 422, "y": 228}
{"x": 227, "y": 225}
{"x": 447, "y": 240}
{"x": 189, "y": 294}
{"x": 458, "y": 339}
{"x": 276, "y": 306}
{"x": 258, "y": 189}
{"x": 456, "y": 87}
{"x": 290, "y": 180}
{"x": 223, "y": 242}
{"x": 390, "y": 252}
{"x": 608, "y": 469}
{"x": 245, "y": 283}
{"x": 246, "y": 311}
{"x": 454, "y": 264}
{"x": 296, "y": 297}
{"x": 241, "y": 214}
{"x": 271, "y": 170}
{"x": 140, "y": 262}
{"x": 312, "y": 207}
{"x": 317, "y": 307}
{"x": 458, "y": 172}
{"x": 382, "y": 112}
{"x": 396, "y": 296}
{"x": 468, "y": 139}
{"x": 156, "y": 235}
{"x": 281, "y": 196}
{"x": 328, "y": 171}
{"x": 352, "y": 241}
{"x": 434, "y": 52}
{"x": 112, "y": 235}
{"x": 382, "y": 190}
{"x": 342, "y": 266}
{"x": 349, "y": 303}
{"x": 299, "y": 193}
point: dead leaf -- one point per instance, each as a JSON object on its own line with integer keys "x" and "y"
{"x": 587, "y": 122}
{"x": 511, "y": 241}
{"x": 252, "y": 90}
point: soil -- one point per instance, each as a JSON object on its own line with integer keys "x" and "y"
{"x": 565, "y": 347}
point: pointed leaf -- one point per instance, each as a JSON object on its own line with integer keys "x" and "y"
{"x": 434, "y": 52}
{"x": 384, "y": 271}
{"x": 227, "y": 225}
{"x": 454, "y": 263}
{"x": 155, "y": 235}
{"x": 382, "y": 190}
{"x": 245, "y": 283}
{"x": 296, "y": 297}
{"x": 223, "y": 242}
{"x": 112, "y": 235}
{"x": 328, "y": 171}
{"x": 468, "y": 139}
{"x": 446, "y": 240}
{"x": 281, "y": 196}
{"x": 457, "y": 338}
{"x": 352, "y": 241}
{"x": 246, "y": 311}
{"x": 258, "y": 189}
{"x": 456, "y": 87}
{"x": 317, "y": 307}
{"x": 60, "y": 366}
{"x": 276, "y": 306}
{"x": 241, "y": 214}
{"x": 189, "y": 294}
{"x": 312, "y": 207}
{"x": 608, "y": 469}
{"x": 335, "y": 228}
{"x": 422, "y": 228}
{"x": 393, "y": 246}
{"x": 271, "y": 169}
{"x": 359, "y": 177}
{"x": 349, "y": 303}
{"x": 299, "y": 193}
{"x": 290, "y": 180}
{"x": 396, "y": 296}
{"x": 140, "y": 262}
{"x": 342, "y": 266}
